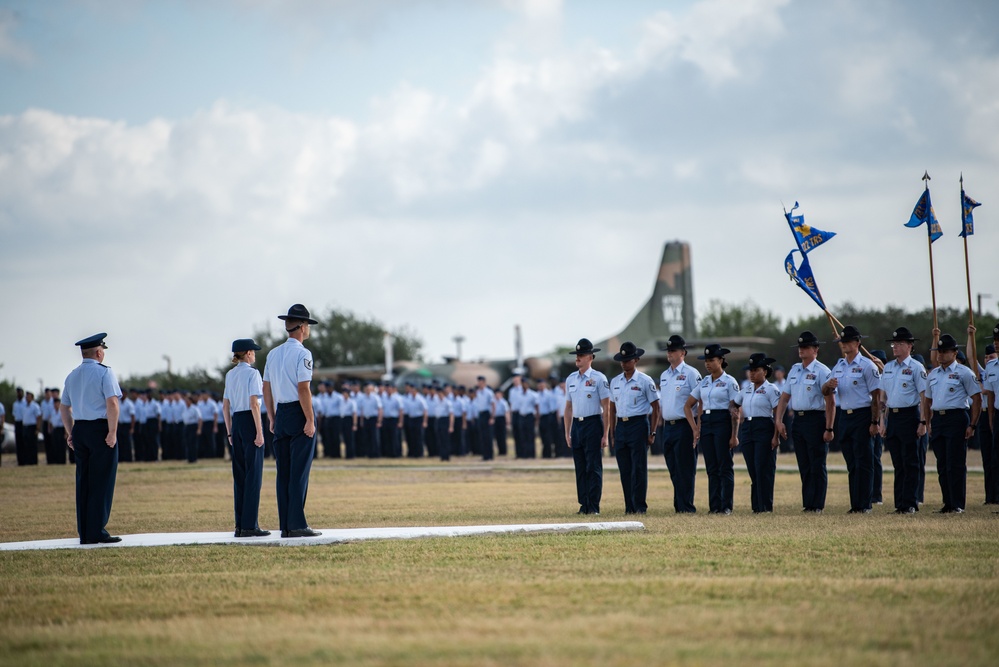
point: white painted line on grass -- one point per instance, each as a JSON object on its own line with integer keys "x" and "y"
{"x": 329, "y": 536}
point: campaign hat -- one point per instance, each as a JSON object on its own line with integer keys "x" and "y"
{"x": 244, "y": 345}
{"x": 675, "y": 342}
{"x": 97, "y": 340}
{"x": 584, "y": 346}
{"x": 761, "y": 360}
{"x": 808, "y": 339}
{"x": 946, "y": 344}
{"x": 901, "y": 334}
{"x": 629, "y": 351}
{"x": 714, "y": 351}
{"x": 850, "y": 333}
{"x": 298, "y": 312}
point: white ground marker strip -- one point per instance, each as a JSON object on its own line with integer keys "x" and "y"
{"x": 329, "y": 536}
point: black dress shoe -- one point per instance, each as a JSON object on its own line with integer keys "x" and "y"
{"x": 238, "y": 533}
{"x": 304, "y": 532}
{"x": 110, "y": 539}
{"x": 284, "y": 533}
{"x": 944, "y": 510}
{"x": 254, "y": 532}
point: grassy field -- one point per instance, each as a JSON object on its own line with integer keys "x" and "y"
{"x": 782, "y": 588}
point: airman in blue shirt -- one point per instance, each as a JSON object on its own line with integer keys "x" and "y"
{"x": 757, "y": 432}
{"x": 814, "y": 416}
{"x": 587, "y": 399}
{"x": 89, "y": 410}
{"x": 949, "y": 388}
{"x": 633, "y": 409}
{"x": 856, "y": 383}
{"x": 679, "y": 448}
{"x": 716, "y": 429}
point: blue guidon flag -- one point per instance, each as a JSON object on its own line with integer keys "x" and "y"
{"x": 803, "y": 277}
{"x": 807, "y": 237}
{"x": 923, "y": 214}
{"x": 968, "y": 206}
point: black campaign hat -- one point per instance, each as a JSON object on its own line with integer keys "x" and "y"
{"x": 584, "y": 346}
{"x": 946, "y": 344}
{"x": 808, "y": 339}
{"x": 244, "y": 345}
{"x": 714, "y": 351}
{"x": 676, "y": 342}
{"x": 901, "y": 334}
{"x": 298, "y": 312}
{"x": 760, "y": 360}
{"x": 97, "y": 340}
{"x": 628, "y": 351}
{"x": 850, "y": 333}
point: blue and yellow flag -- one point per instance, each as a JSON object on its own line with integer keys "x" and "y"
{"x": 968, "y": 206}
{"x": 803, "y": 277}
{"x": 923, "y": 214}
{"x": 807, "y": 237}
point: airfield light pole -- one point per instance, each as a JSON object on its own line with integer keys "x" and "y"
{"x": 389, "y": 361}
{"x": 169, "y": 367}
{"x": 458, "y": 340}
{"x": 980, "y": 297}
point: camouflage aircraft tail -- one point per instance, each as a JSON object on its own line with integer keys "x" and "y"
{"x": 670, "y": 309}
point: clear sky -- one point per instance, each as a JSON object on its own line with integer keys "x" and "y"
{"x": 177, "y": 173}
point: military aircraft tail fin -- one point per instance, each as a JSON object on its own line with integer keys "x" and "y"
{"x": 670, "y": 309}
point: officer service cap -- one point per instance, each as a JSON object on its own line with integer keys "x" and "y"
{"x": 298, "y": 312}
{"x": 629, "y": 351}
{"x": 946, "y": 344}
{"x": 244, "y": 345}
{"x": 850, "y": 333}
{"x": 808, "y": 339}
{"x": 584, "y": 346}
{"x": 901, "y": 334}
{"x": 97, "y": 340}
{"x": 880, "y": 354}
{"x": 714, "y": 351}
{"x": 676, "y": 342}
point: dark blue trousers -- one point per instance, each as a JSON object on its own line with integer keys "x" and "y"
{"x": 810, "y": 450}
{"x": 756, "y": 437}
{"x": 331, "y": 436}
{"x": 247, "y": 470}
{"x": 191, "y": 442}
{"x": 547, "y": 427}
{"x": 631, "y": 443}
{"x": 877, "y": 471}
{"x": 390, "y": 438}
{"x": 528, "y": 437}
{"x": 951, "y": 450}
{"x": 587, "y": 460}
{"x": 485, "y": 436}
{"x": 716, "y": 433}
{"x": 293, "y": 453}
{"x": 349, "y": 437}
{"x": 430, "y": 436}
{"x": 372, "y": 439}
{"x": 989, "y": 462}
{"x": 96, "y": 470}
{"x": 903, "y": 447}
{"x": 681, "y": 460}
{"x": 124, "y": 442}
{"x": 499, "y": 432}
{"x": 854, "y": 430}
{"x": 443, "y": 438}
{"x": 413, "y": 427}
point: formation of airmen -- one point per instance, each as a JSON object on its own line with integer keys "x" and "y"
{"x": 861, "y": 404}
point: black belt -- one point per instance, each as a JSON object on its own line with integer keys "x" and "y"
{"x": 749, "y": 419}
{"x": 943, "y": 412}
{"x": 584, "y": 419}
{"x": 674, "y": 422}
{"x": 803, "y": 413}
{"x": 853, "y": 410}
{"x": 631, "y": 419}
{"x": 907, "y": 409}
{"x": 86, "y": 421}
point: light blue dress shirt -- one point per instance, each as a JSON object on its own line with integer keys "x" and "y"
{"x": 634, "y": 397}
{"x": 87, "y": 389}
{"x": 288, "y": 364}
{"x": 241, "y": 382}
